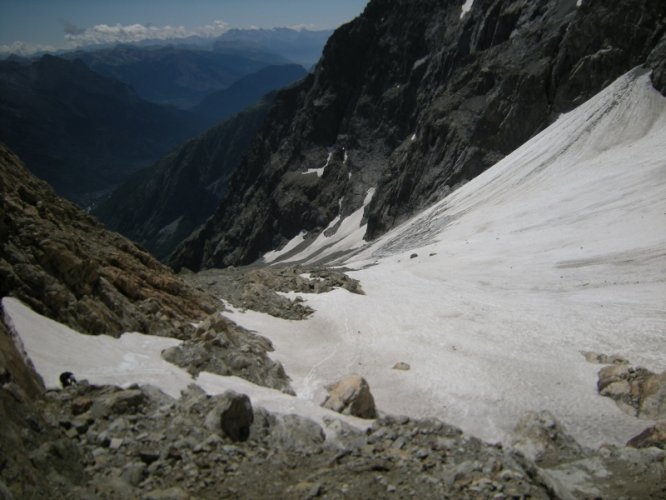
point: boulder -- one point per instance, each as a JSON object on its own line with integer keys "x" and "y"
{"x": 351, "y": 396}
{"x": 635, "y": 390}
{"x": 652, "y": 436}
{"x": 401, "y": 365}
{"x": 541, "y": 438}
{"x": 232, "y": 416}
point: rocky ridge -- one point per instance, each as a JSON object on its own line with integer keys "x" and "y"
{"x": 259, "y": 288}
{"x": 63, "y": 264}
{"x": 414, "y": 99}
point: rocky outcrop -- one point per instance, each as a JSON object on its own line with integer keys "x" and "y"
{"x": 637, "y": 391}
{"x": 351, "y": 396}
{"x": 232, "y": 415}
{"x": 541, "y": 438}
{"x": 63, "y": 264}
{"x": 257, "y": 288}
{"x": 654, "y": 436}
{"x": 220, "y": 346}
{"x": 414, "y": 99}
{"x": 177, "y": 448}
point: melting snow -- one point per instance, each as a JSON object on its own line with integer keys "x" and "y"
{"x": 557, "y": 249}
{"x": 135, "y": 358}
{"x": 349, "y": 236}
{"x": 291, "y": 244}
{"x": 467, "y": 7}
{"x": 320, "y": 171}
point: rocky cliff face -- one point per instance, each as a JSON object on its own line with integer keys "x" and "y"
{"x": 415, "y": 98}
{"x": 65, "y": 265}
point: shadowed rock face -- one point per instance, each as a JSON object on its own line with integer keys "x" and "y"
{"x": 65, "y": 265}
{"x": 414, "y": 100}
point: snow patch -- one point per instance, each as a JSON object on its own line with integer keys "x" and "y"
{"x": 135, "y": 358}
{"x": 467, "y": 6}
{"x": 319, "y": 171}
{"x": 291, "y": 244}
{"x": 349, "y": 236}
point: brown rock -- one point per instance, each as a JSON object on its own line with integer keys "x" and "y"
{"x": 351, "y": 396}
{"x": 652, "y": 436}
{"x": 401, "y": 366}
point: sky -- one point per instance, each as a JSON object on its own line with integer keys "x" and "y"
{"x": 33, "y": 24}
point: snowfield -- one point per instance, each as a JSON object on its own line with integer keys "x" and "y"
{"x": 557, "y": 249}
{"x": 136, "y": 359}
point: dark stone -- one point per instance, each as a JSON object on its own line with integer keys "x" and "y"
{"x": 149, "y": 456}
{"x": 232, "y": 415}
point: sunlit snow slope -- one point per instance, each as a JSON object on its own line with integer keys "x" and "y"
{"x": 559, "y": 248}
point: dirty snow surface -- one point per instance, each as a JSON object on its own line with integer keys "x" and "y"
{"x": 559, "y": 248}
{"x": 134, "y": 358}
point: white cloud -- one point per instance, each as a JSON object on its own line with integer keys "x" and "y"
{"x": 303, "y": 27}
{"x": 118, "y": 33}
{"x": 24, "y": 49}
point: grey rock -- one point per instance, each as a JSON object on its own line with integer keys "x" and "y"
{"x": 133, "y": 473}
{"x": 232, "y": 415}
{"x": 174, "y": 493}
{"x": 541, "y": 438}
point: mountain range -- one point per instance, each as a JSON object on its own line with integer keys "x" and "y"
{"x": 160, "y": 206}
{"x": 455, "y": 235}
{"x": 177, "y": 75}
{"x": 82, "y": 132}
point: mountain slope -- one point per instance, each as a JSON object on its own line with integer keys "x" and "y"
{"x": 492, "y": 293}
{"x": 414, "y": 99}
{"x": 162, "y": 205}
{"x": 221, "y": 104}
{"x": 301, "y": 46}
{"x": 176, "y": 75}
{"x": 81, "y": 132}
{"x": 65, "y": 265}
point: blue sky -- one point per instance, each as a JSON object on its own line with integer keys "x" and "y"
{"x": 44, "y": 22}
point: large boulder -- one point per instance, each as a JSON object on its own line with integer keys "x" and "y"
{"x": 231, "y": 416}
{"x": 351, "y": 396}
{"x": 652, "y": 436}
{"x": 637, "y": 391}
{"x": 541, "y": 438}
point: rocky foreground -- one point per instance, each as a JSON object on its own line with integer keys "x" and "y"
{"x": 105, "y": 442}
{"x": 87, "y": 441}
